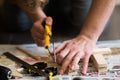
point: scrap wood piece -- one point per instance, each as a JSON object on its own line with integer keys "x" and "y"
{"x": 107, "y": 51}
{"x": 28, "y": 53}
{"x": 98, "y": 57}
{"x": 115, "y": 51}
{"x": 104, "y": 51}
{"x": 99, "y": 62}
{"x": 102, "y": 69}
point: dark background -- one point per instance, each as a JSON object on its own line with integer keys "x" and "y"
{"x": 111, "y": 32}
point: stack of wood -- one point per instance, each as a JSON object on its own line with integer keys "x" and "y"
{"x": 98, "y": 57}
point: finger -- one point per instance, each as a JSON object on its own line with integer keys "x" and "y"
{"x": 39, "y": 42}
{"x": 85, "y": 64}
{"x": 37, "y": 27}
{"x": 66, "y": 62}
{"x": 40, "y": 29}
{"x": 75, "y": 61}
{"x": 62, "y": 55}
{"x": 37, "y": 35}
{"x": 49, "y": 21}
{"x": 62, "y": 46}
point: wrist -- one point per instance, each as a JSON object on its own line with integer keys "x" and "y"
{"x": 88, "y": 37}
{"x": 36, "y": 15}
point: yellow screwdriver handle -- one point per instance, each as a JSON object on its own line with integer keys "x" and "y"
{"x": 50, "y": 75}
{"x": 47, "y": 36}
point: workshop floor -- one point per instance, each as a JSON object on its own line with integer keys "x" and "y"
{"x": 112, "y": 32}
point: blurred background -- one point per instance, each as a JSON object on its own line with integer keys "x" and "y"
{"x": 111, "y": 32}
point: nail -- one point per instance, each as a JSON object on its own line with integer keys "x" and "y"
{"x": 61, "y": 72}
{"x": 73, "y": 67}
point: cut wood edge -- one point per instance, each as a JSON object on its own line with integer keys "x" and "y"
{"x": 99, "y": 62}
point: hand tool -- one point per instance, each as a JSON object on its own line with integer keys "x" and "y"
{"x": 38, "y": 65}
{"x": 39, "y": 68}
{"x": 43, "y": 67}
{"x": 47, "y": 39}
{"x": 5, "y": 73}
{"x": 30, "y": 67}
{"x": 47, "y": 36}
{"x": 54, "y": 52}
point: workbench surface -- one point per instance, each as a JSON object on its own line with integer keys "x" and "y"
{"x": 114, "y": 74}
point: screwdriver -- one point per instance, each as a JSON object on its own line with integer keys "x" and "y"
{"x": 54, "y": 52}
{"x": 47, "y": 37}
{"x": 47, "y": 40}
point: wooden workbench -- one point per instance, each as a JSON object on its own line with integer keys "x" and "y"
{"x": 92, "y": 75}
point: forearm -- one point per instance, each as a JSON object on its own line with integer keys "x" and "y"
{"x": 32, "y": 9}
{"x": 97, "y": 18}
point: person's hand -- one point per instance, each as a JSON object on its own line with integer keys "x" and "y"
{"x": 71, "y": 51}
{"x": 37, "y": 30}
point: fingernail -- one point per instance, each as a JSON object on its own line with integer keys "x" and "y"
{"x": 49, "y": 22}
{"x": 83, "y": 74}
{"x": 61, "y": 72}
{"x": 72, "y": 67}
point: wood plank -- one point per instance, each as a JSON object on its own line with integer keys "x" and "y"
{"x": 99, "y": 61}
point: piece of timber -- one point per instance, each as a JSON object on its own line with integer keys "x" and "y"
{"x": 33, "y": 56}
{"x": 102, "y": 69}
{"x": 98, "y": 57}
{"x": 99, "y": 62}
{"x": 103, "y": 51}
{"x": 115, "y": 51}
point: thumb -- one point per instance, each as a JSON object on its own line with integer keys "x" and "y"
{"x": 49, "y": 21}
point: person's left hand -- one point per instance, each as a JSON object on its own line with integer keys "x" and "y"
{"x": 71, "y": 51}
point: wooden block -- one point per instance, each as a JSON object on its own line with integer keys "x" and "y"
{"x": 115, "y": 51}
{"x": 102, "y": 69}
{"x": 104, "y": 51}
{"x": 98, "y": 57}
{"x": 99, "y": 61}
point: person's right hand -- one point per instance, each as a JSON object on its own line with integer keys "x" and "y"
{"x": 37, "y": 30}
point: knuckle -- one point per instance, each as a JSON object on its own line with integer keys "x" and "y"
{"x": 73, "y": 63}
{"x": 74, "y": 48}
{"x": 68, "y": 59}
{"x": 86, "y": 61}
{"x": 61, "y": 56}
{"x": 88, "y": 55}
{"x": 66, "y": 41}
